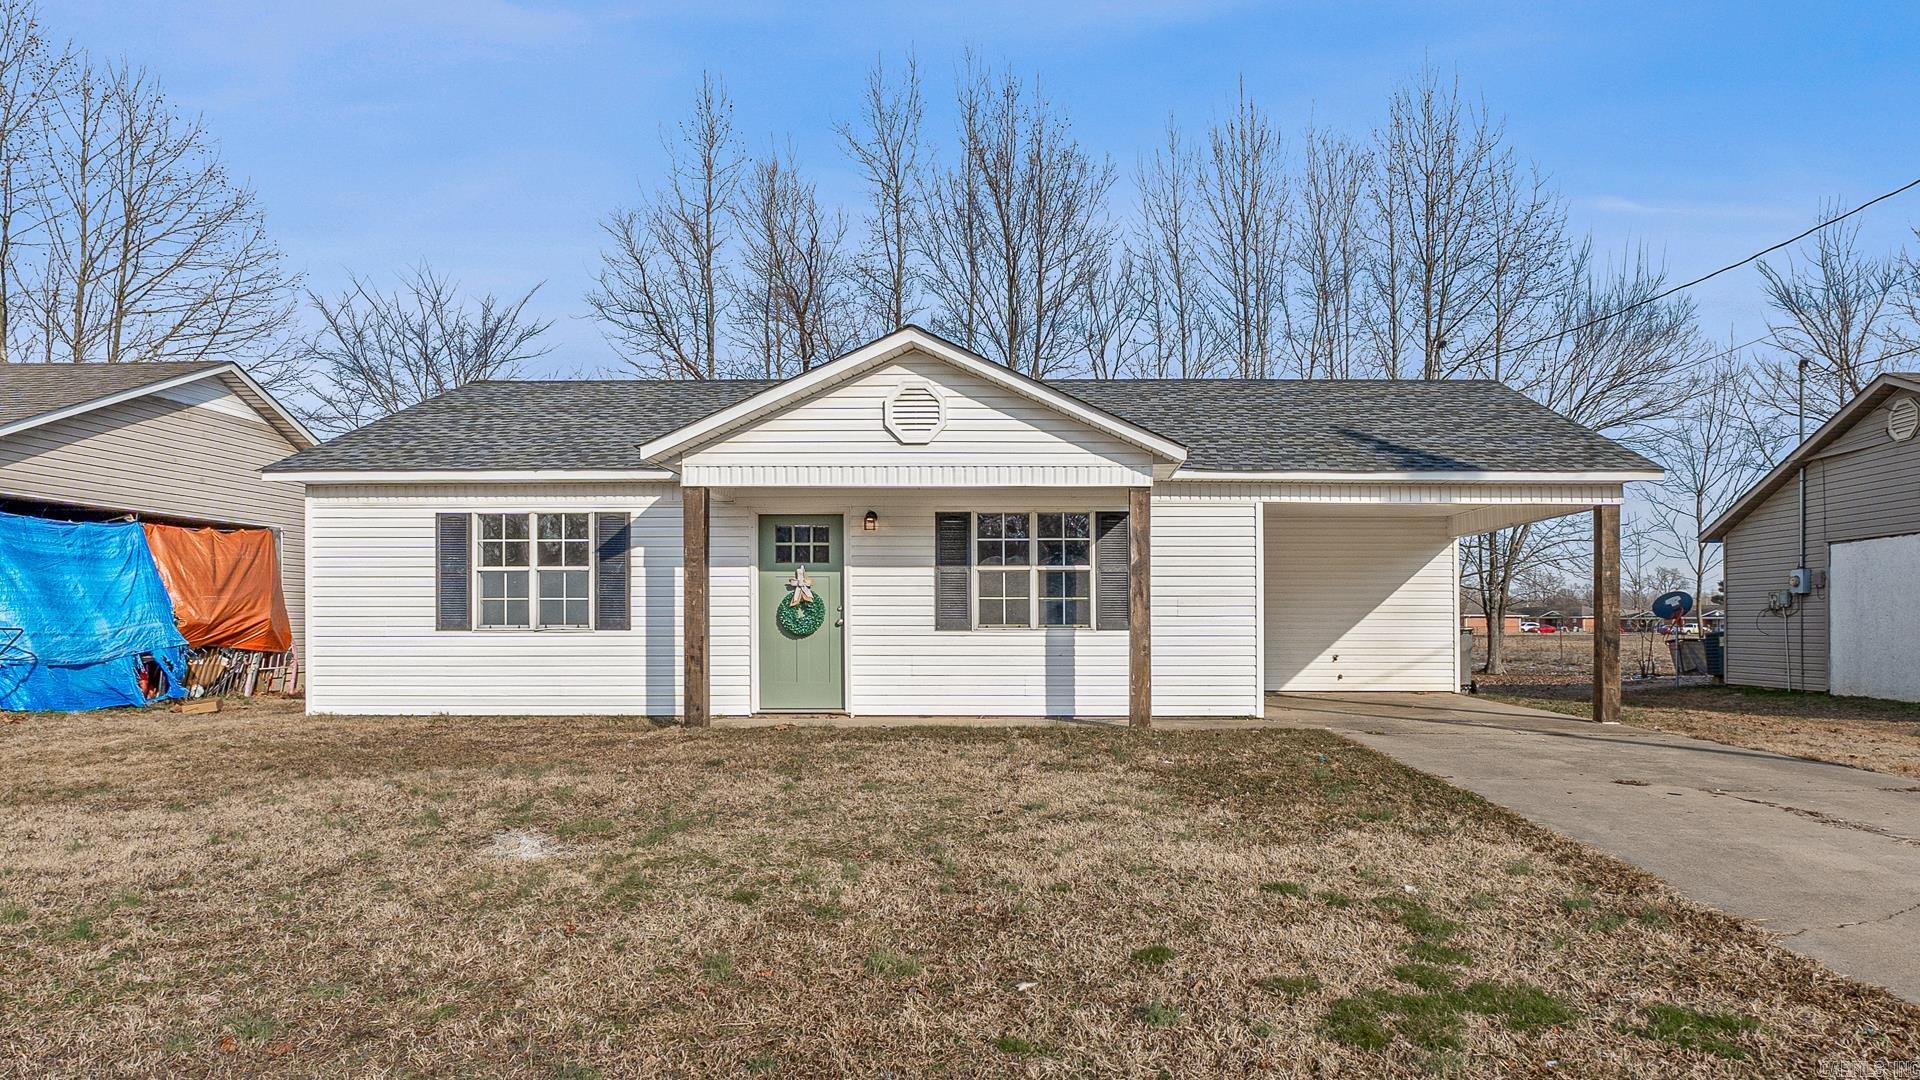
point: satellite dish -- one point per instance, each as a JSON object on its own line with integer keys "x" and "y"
{"x": 1673, "y": 605}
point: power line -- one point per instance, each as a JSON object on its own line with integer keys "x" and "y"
{"x": 1597, "y": 320}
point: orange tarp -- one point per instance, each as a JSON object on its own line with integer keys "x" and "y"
{"x": 225, "y": 586}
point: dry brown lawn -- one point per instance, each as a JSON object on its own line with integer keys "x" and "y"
{"x": 1862, "y": 732}
{"x": 256, "y": 892}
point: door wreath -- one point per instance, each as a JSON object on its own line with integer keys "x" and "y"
{"x": 800, "y": 612}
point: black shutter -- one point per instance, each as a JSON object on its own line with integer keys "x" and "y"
{"x": 1110, "y": 569}
{"x": 612, "y": 599}
{"x": 453, "y": 581}
{"x": 952, "y": 592}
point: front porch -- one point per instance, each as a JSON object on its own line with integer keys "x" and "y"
{"x": 1282, "y": 587}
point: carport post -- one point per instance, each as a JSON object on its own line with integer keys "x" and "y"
{"x": 1606, "y": 614}
{"x": 696, "y": 710}
{"x": 1140, "y": 607}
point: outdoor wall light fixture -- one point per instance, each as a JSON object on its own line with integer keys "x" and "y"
{"x": 871, "y": 522}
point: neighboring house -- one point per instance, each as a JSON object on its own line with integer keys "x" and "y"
{"x": 983, "y": 543}
{"x": 179, "y": 443}
{"x": 1848, "y": 625}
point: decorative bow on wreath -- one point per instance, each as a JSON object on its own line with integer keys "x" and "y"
{"x": 801, "y": 613}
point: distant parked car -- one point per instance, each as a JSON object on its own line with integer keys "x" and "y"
{"x": 1547, "y": 628}
{"x": 1529, "y": 627}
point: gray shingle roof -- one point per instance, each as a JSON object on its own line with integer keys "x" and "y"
{"x": 1226, "y": 424}
{"x": 30, "y": 390}
{"x": 1358, "y": 425}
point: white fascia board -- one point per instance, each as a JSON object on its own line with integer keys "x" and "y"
{"x": 880, "y": 351}
{"x": 478, "y": 476}
{"x": 273, "y": 403}
{"x": 1410, "y": 477}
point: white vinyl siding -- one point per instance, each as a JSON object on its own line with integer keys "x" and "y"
{"x": 1205, "y": 610}
{"x": 992, "y": 437}
{"x": 371, "y": 640}
{"x": 1359, "y": 602}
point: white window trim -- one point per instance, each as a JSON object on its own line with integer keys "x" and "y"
{"x": 1034, "y": 571}
{"x": 532, "y": 570}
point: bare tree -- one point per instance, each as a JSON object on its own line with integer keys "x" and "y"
{"x": 954, "y": 230}
{"x": 147, "y": 249}
{"x": 1167, "y": 251}
{"x": 795, "y": 271}
{"x": 1328, "y": 255}
{"x": 1112, "y": 314}
{"x": 662, "y": 285}
{"x": 1244, "y": 192}
{"x": 886, "y": 146}
{"x": 1528, "y": 267}
{"x": 1023, "y": 213}
{"x": 375, "y": 353}
{"x": 1708, "y": 465}
{"x": 1626, "y": 361}
{"x": 30, "y": 74}
{"x": 1432, "y": 215}
{"x": 1836, "y": 316}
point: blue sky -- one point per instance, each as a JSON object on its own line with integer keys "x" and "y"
{"x": 490, "y": 136}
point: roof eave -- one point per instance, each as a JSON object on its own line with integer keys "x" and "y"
{"x": 1842, "y": 419}
{"x": 1417, "y": 476}
{"x": 452, "y": 476}
{"x": 296, "y": 432}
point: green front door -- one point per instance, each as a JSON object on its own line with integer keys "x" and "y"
{"x": 801, "y": 670}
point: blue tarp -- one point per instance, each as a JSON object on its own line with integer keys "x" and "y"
{"x": 89, "y": 603}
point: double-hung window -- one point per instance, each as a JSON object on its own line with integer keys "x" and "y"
{"x": 1033, "y": 569}
{"x": 1066, "y": 569}
{"x": 534, "y": 571}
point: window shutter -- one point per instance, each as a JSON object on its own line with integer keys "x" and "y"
{"x": 1110, "y": 563}
{"x": 952, "y": 587}
{"x": 453, "y": 580}
{"x": 612, "y": 597}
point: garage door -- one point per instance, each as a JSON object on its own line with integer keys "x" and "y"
{"x": 1873, "y": 588}
{"x": 1359, "y": 603}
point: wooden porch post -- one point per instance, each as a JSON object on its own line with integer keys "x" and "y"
{"x": 1606, "y": 614}
{"x": 1140, "y": 607}
{"x": 696, "y": 710}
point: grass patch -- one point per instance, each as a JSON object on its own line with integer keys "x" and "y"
{"x": 1013, "y": 1044}
{"x": 1283, "y": 888}
{"x": 1151, "y": 956}
{"x": 744, "y": 895}
{"x": 1708, "y": 1032}
{"x": 1156, "y": 1014}
{"x": 1292, "y": 986}
{"x": 889, "y": 964}
{"x": 253, "y": 1028}
{"x": 718, "y": 967}
{"x": 1435, "y": 1020}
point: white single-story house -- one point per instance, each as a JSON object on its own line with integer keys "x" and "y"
{"x": 974, "y": 542}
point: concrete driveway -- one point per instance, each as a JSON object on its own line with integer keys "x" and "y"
{"x": 1826, "y": 856}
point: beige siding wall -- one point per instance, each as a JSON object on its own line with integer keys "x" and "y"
{"x": 195, "y": 455}
{"x": 1865, "y": 485}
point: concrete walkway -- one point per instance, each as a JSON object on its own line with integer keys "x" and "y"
{"x": 1826, "y": 856}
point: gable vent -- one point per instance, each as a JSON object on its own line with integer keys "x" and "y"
{"x": 1903, "y": 419}
{"x": 915, "y": 413}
